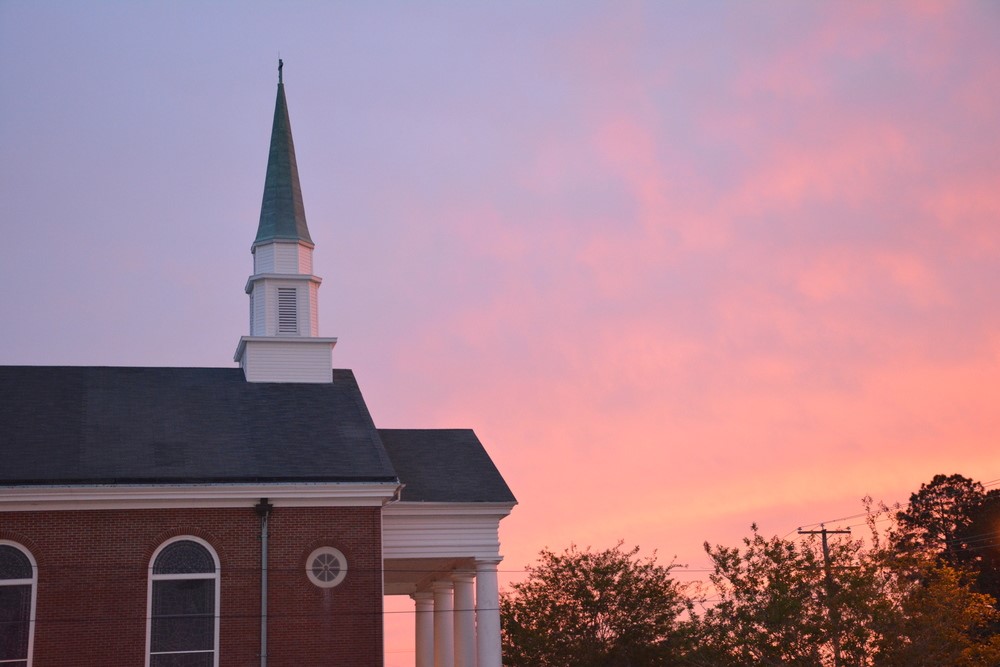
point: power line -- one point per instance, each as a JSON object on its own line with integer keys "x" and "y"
{"x": 985, "y": 485}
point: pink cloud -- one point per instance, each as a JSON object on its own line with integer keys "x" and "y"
{"x": 754, "y": 322}
{"x": 848, "y": 165}
{"x": 840, "y": 274}
{"x": 969, "y": 210}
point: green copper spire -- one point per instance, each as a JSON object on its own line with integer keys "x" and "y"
{"x": 282, "y": 216}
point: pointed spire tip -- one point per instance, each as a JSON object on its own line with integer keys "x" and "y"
{"x": 282, "y": 216}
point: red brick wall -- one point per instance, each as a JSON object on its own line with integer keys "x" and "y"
{"x": 93, "y": 577}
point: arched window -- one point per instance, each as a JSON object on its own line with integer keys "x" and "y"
{"x": 183, "y": 628}
{"x": 17, "y": 604}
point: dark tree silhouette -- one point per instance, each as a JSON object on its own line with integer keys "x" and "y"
{"x": 939, "y": 515}
{"x": 771, "y": 608}
{"x": 953, "y": 519}
{"x": 592, "y": 609}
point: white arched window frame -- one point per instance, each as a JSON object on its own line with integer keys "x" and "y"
{"x": 12, "y": 584}
{"x": 200, "y": 657}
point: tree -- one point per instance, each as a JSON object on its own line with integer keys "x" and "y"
{"x": 773, "y": 605}
{"x": 953, "y": 520}
{"x": 938, "y": 515}
{"x": 582, "y": 608}
{"x": 940, "y": 620}
{"x": 981, "y": 540}
{"x": 886, "y": 607}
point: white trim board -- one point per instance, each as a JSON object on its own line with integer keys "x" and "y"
{"x": 71, "y": 497}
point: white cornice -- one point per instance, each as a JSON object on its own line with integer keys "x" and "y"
{"x": 280, "y": 277}
{"x": 403, "y": 508}
{"x": 304, "y": 244}
{"x": 344, "y": 494}
{"x": 299, "y": 340}
{"x": 442, "y": 530}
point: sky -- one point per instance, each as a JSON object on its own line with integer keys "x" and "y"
{"x": 682, "y": 266}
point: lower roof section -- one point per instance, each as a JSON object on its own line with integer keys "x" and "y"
{"x": 444, "y": 466}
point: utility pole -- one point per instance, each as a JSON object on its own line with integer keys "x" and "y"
{"x": 828, "y": 576}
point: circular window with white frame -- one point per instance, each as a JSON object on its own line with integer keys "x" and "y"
{"x": 326, "y": 567}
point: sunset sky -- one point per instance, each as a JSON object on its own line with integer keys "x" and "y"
{"x": 682, "y": 266}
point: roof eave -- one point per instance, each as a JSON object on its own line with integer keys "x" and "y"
{"x": 152, "y": 495}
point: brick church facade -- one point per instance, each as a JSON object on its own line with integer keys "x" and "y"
{"x": 227, "y": 517}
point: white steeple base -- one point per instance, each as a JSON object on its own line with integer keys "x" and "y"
{"x": 285, "y": 358}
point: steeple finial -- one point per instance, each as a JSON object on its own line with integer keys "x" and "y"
{"x": 280, "y": 65}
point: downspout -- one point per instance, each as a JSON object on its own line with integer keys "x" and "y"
{"x": 263, "y": 510}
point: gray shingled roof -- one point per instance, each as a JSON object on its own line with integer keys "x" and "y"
{"x": 67, "y": 425}
{"x": 282, "y": 215}
{"x": 444, "y": 465}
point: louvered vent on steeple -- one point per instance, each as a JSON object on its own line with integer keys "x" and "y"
{"x": 288, "y": 320}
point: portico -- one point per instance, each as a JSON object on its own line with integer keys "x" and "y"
{"x": 431, "y": 554}
{"x": 441, "y": 545}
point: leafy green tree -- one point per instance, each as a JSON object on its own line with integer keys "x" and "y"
{"x": 953, "y": 520}
{"x": 775, "y": 606}
{"x": 940, "y": 620}
{"x": 913, "y": 593}
{"x": 582, "y": 608}
{"x": 882, "y": 607}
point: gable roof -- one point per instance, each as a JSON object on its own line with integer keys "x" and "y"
{"x": 107, "y": 425}
{"x": 444, "y": 465}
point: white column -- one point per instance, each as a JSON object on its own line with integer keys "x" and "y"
{"x": 465, "y": 619}
{"x": 444, "y": 624}
{"x": 425, "y": 628}
{"x": 488, "y": 614}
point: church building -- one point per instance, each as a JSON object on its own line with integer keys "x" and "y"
{"x": 238, "y": 516}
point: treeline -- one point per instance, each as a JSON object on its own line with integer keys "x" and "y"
{"x": 920, "y": 589}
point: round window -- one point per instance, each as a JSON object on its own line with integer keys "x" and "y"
{"x": 326, "y": 567}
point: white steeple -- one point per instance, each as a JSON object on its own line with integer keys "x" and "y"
{"x": 284, "y": 343}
